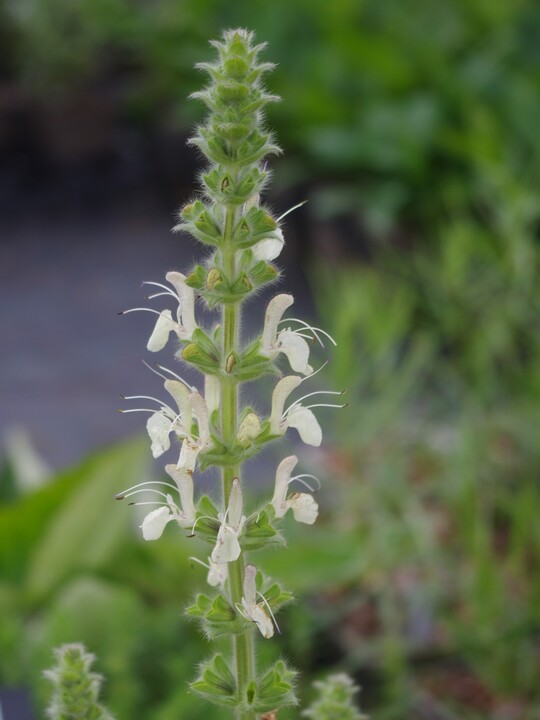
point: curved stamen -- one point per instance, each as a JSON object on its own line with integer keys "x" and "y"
{"x": 142, "y": 490}
{"x": 163, "y": 377}
{"x": 313, "y": 329}
{"x": 150, "y": 310}
{"x": 307, "y": 377}
{"x": 130, "y": 410}
{"x": 122, "y": 495}
{"x": 149, "y": 397}
{"x": 311, "y": 394}
{"x": 149, "y": 502}
{"x": 163, "y": 287}
{"x": 175, "y": 375}
{"x": 265, "y": 601}
{"x": 202, "y": 517}
{"x": 200, "y": 562}
{"x": 159, "y": 294}
{"x": 330, "y": 405}
{"x": 299, "y": 479}
{"x": 290, "y": 210}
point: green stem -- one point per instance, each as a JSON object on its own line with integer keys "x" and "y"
{"x": 243, "y": 644}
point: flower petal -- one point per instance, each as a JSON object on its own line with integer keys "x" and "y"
{"x": 279, "y": 397}
{"x": 304, "y": 507}
{"x": 180, "y": 393}
{"x": 158, "y": 427}
{"x": 274, "y": 312}
{"x": 296, "y": 349}
{"x": 264, "y": 623}
{"x": 217, "y": 574}
{"x": 184, "y": 483}
{"x": 268, "y": 249}
{"x": 227, "y": 547}
{"x": 160, "y": 334}
{"x": 186, "y": 309}
{"x": 201, "y": 412}
{"x": 154, "y": 523}
{"x": 307, "y": 425}
{"x": 283, "y": 476}
{"x": 188, "y": 455}
{"x": 236, "y": 506}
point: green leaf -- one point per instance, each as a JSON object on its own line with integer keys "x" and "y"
{"x": 90, "y": 525}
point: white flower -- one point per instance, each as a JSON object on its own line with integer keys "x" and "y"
{"x": 184, "y": 324}
{"x": 290, "y": 343}
{"x": 227, "y": 548}
{"x": 250, "y": 609}
{"x": 183, "y": 512}
{"x": 217, "y": 573}
{"x": 304, "y": 506}
{"x": 297, "y": 415}
{"x": 166, "y": 421}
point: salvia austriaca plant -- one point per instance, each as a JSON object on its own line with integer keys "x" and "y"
{"x": 213, "y": 426}
{"x": 75, "y": 687}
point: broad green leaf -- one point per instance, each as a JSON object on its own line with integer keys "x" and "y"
{"x": 90, "y": 525}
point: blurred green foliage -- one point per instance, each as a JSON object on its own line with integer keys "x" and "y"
{"x": 388, "y": 102}
{"x": 420, "y": 119}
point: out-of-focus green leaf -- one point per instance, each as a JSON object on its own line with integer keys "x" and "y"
{"x": 89, "y": 526}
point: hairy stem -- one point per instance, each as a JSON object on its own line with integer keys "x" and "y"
{"x": 242, "y": 643}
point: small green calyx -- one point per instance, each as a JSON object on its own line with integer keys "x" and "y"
{"x": 216, "y": 616}
{"x": 203, "y": 353}
{"x": 216, "y": 683}
{"x": 198, "y": 220}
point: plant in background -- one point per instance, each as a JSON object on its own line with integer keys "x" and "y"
{"x": 213, "y": 427}
{"x": 76, "y": 688}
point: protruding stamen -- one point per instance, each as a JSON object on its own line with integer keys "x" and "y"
{"x": 290, "y": 210}
{"x": 299, "y": 478}
{"x": 130, "y": 310}
{"x": 311, "y": 394}
{"x": 313, "y": 329}
{"x": 163, "y": 287}
{"x": 122, "y": 495}
{"x": 265, "y": 601}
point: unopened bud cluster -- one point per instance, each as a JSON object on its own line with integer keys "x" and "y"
{"x": 243, "y": 239}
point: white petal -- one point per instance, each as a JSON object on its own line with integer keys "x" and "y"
{"x": 227, "y": 548}
{"x": 217, "y": 574}
{"x": 160, "y": 335}
{"x": 188, "y": 455}
{"x": 235, "y": 505}
{"x": 296, "y": 349}
{"x": 180, "y": 393}
{"x": 269, "y": 248}
{"x": 304, "y": 507}
{"x": 283, "y": 476}
{"x": 279, "y": 397}
{"x": 211, "y": 392}
{"x": 201, "y": 412}
{"x": 184, "y": 482}
{"x": 307, "y": 425}
{"x": 186, "y": 309}
{"x": 274, "y": 312}
{"x": 154, "y": 523}
{"x": 264, "y": 623}
{"x": 253, "y": 201}
{"x": 250, "y": 586}
{"x": 158, "y": 427}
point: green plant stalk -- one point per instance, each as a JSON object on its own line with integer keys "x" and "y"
{"x": 243, "y": 644}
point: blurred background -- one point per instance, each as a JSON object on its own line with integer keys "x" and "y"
{"x": 412, "y": 129}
